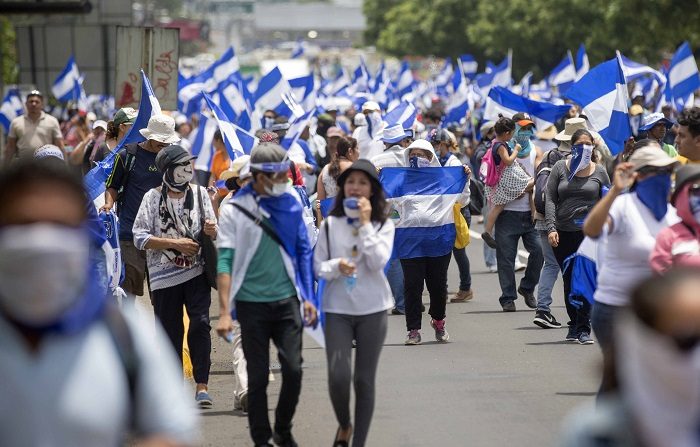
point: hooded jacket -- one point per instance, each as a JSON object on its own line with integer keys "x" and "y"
{"x": 464, "y": 198}
{"x": 679, "y": 244}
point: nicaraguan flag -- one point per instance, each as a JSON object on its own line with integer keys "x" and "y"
{"x": 304, "y": 90}
{"x": 496, "y": 76}
{"x": 295, "y": 130}
{"x": 298, "y": 50}
{"x": 148, "y": 106}
{"x": 458, "y": 104}
{"x": 469, "y": 65}
{"x": 683, "y": 74}
{"x": 424, "y": 199}
{"x": 524, "y": 85}
{"x": 201, "y": 142}
{"x": 11, "y": 108}
{"x": 602, "y": 93}
{"x": 563, "y": 75}
{"x": 502, "y": 100}
{"x": 275, "y": 93}
{"x": 405, "y": 114}
{"x": 634, "y": 70}
{"x": 582, "y": 64}
{"x": 445, "y": 75}
{"x": 586, "y": 263}
{"x": 361, "y": 78}
{"x": 67, "y": 86}
{"x": 237, "y": 141}
{"x": 405, "y": 81}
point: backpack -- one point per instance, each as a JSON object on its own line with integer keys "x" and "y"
{"x": 488, "y": 171}
{"x": 542, "y": 177}
{"x": 129, "y": 154}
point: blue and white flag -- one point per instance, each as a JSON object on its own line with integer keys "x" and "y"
{"x": 216, "y": 76}
{"x": 585, "y": 265}
{"x": 634, "y": 70}
{"x": 299, "y": 49}
{"x": 445, "y": 76}
{"x": 224, "y": 69}
{"x": 405, "y": 114}
{"x": 275, "y": 93}
{"x": 237, "y": 141}
{"x": 602, "y": 93}
{"x": 361, "y": 78}
{"x": 10, "y": 108}
{"x": 148, "y": 106}
{"x": 498, "y": 76}
{"x": 405, "y": 81}
{"x": 683, "y": 74}
{"x": 201, "y": 139}
{"x": 563, "y": 75}
{"x": 502, "y": 100}
{"x": 458, "y": 104}
{"x": 523, "y": 88}
{"x": 469, "y": 66}
{"x": 582, "y": 64}
{"x": 68, "y": 84}
{"x": 304, "y": 90}
{"x": 291, "y": 138}
{"x": 424, "y": 200}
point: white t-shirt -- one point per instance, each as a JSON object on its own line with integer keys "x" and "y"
{"x": 523, "y": 204}
{"x": 73, "y": 390}
{"x": 626, "y": 260}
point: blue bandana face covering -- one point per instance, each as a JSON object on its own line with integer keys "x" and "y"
{"x": 653, "y": 192}
{"x": 523, "y": 138}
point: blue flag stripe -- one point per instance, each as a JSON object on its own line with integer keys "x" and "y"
{"x": 399, "y": 182}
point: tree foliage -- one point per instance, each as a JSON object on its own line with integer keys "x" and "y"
{"x": 8, "y": 52}
{"x": 539, "y": 31}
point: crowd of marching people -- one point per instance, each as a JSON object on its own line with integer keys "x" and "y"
{"x": 333, "y": 233}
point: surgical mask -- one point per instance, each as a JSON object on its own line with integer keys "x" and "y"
{"x": 351, "y": 207}
{"x": 418, "y": 162}
{"x": 178, "y": 177}
{"x": 653, "y": 193}
{"x": 374, "y": 123}
{"x": 277, "y": 189}
{"x": 661, "y": 384}
{"x": 43, "y": 271}
{"x": 268, "y": 122}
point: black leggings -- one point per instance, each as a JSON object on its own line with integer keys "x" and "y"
{"x": 195, "y": 295}
{"x": 432, "y": 272}
{"x": 579, "y": 311}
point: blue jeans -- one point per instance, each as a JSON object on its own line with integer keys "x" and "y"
{"x": 489, "y": 253}
{"x": 510, "y": 227}
{"x": 460, "y": 255}
{"x": 395, "y": 277}
{"x": 548, "y": 275}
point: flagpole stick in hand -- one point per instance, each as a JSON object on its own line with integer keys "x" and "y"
{"x": 310, "y": 314}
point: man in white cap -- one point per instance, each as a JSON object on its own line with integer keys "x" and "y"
{"x": 134, "y": 174}
{"x": 368, "y": 136}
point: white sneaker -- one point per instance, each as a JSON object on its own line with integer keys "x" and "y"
{"x": 519, "y": 266}
{"x": 493, "y": 269}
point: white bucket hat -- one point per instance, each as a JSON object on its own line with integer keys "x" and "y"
{"x": 394, "y": 134}
{"x": 161, "y": 128}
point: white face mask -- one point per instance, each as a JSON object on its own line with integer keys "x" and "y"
{"x": 277, "y": 189}
{"x": 183, "y": 174}
{"x": 43, "y": 270}
{"x": 351, "y": 208}
{"x": 661, "y": 384}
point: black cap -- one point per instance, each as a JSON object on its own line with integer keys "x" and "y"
{"x": 363, "y": 165}
{"x": 171, "y": 154}
{"x": 439, "y": 136}
{"x": 35, "y": 93}
{"x": 684, "y": 175}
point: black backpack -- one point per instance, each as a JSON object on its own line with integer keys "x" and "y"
{"x": 542, "y": 177}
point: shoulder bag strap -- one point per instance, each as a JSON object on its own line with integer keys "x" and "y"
{"x": 261, "y": 223}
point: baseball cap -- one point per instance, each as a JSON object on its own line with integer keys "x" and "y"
{"x": 171, "y": 154}
{"x": 651, "y": 155}
{"x": 523, "y": 119}
{"x": 125, "y": 115}
{"x": 684, "y": 175}
{"x": 99, "y": 123}
{"x": 371, "y": 106}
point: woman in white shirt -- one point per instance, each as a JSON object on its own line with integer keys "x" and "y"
{"x": 630, "y": 223}
{"x": 353, "y": 248}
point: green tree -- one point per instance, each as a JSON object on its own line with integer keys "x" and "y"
{"x": 8, "y": 52}
{"x": 375, "y": 14}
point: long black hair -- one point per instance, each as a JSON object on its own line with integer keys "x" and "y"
{"x": 377, "y": 200}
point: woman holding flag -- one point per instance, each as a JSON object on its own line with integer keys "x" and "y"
{"x": 574, "y": 186}
{"x": 353, "y": 248}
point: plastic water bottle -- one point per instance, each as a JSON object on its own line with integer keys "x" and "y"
{"x": 350, "y": 282}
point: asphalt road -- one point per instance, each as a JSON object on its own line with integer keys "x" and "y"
{"x": 500, "y": 380}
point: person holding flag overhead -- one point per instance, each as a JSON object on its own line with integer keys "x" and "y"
{"x": 134, "y": 174}
{"x": 265, "y": 270}
{"x": 425, "y": 252}
{"x": 167, "y": 227}
{"x": 354, "y": 246}
{"x": 573, "y": 187}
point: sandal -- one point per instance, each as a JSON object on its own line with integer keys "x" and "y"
{"x": 342, "y": 443}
